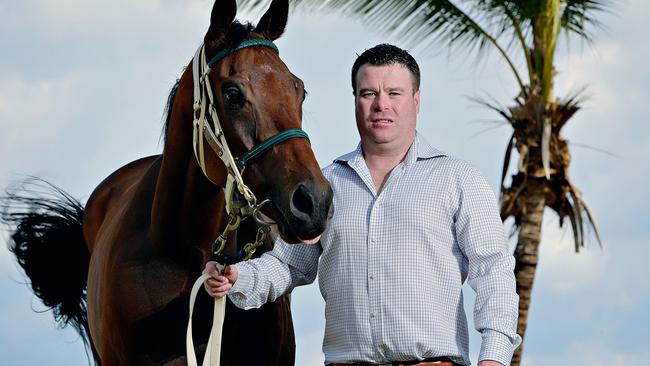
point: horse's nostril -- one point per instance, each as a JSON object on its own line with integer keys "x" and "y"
{"x": 302, "y": 200}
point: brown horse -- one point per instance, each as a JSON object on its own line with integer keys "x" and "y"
{"x": 146, "y": 231}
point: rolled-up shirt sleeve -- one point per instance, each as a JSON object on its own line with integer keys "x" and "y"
{"x": 491, "y": 269}
{"x": 274, "y": 274}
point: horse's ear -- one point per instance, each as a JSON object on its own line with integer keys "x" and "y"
{"x": 221, "y": 18}
{"x": 274, "y": 20}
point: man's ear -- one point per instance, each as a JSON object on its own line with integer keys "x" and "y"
{"x": 416, "y": 97}
{"x": 221, "y": 18}
{"x": 274, "y": 20}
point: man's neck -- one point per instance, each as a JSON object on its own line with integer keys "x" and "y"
{"x": 381, "y": 160}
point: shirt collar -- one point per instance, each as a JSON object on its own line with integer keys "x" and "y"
{"x": 424, "y": 149}
{"x": 420, "y": 149}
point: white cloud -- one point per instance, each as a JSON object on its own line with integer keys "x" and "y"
{"x": 75, "y": 18}
{"x": 577, "y": 69}
{"x": 31, "y": 105}
{"x": 562, "y": 269}
{"x": 589, "y": 353}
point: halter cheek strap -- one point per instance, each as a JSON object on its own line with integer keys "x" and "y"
{"x": 202, "y": 131}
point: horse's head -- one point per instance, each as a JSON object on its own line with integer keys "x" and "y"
{"x": 257, "y": 98}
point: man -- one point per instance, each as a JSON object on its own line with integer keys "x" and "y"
{"x": 410, "y": 225}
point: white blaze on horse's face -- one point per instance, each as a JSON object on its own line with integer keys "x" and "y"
{"x": 386, "y": 106}
{"x": 266, "y": 68}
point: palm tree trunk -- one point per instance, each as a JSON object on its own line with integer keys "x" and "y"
{"x": 527, "y": 253}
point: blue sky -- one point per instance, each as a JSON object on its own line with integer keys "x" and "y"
{"x": 83, "y": 85}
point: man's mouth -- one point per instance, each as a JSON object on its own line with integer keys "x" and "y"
{"x": 381, "y": 121}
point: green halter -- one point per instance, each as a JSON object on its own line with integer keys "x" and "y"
{"x": 268, "y": 144}
{"x": 243, "y": 44}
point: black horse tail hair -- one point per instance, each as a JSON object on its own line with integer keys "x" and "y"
{"x": 47, "y": 240}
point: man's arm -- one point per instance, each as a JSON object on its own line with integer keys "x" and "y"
{"x": 480, "y": 235}
{"x": 253, "y": 283}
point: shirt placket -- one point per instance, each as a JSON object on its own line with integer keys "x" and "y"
{"x": 377, "y": 284}
{"x": 374, "y": 263}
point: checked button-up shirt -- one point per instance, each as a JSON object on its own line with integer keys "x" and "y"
{"x": 392, "y": 264}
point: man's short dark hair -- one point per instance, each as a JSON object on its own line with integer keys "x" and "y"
{"x": 386, "y": 54}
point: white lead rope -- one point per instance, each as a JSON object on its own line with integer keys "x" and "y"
{"x": 213, "y": 349}
{"x": 202, "y": 131}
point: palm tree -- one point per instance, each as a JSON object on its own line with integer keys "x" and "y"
{"x": 526, "y": 30}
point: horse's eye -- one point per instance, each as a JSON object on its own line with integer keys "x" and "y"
{"x": 233, "y": 96}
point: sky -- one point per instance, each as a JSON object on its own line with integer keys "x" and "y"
{"x": 83, "y": 85}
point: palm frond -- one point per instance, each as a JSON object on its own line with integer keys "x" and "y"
{"x": 602, "y": 151}
{"x": 472, "y": 27}
{"x": 590, "y": 215}
{"x": 567, "y": 107}
{"x": 573, "y": 218}
{"x": 520, "y": 21}
{"x": 510, "y": 196}
{"x": 506, "y": 161}
{"x": 577, "y": 213}
{"x": 579, "y": 16}
{"x": 493, "y": 105}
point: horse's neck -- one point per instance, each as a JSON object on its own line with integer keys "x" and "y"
{"x": 188, "y": 210}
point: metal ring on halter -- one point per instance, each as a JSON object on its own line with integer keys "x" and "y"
{"x": 233, "y": 223}
{"x": 257, "y": 213}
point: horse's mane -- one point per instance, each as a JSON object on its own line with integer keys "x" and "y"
{"x": 237, "y": 33}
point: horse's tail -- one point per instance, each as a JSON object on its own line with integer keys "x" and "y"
{"x": 47, "y": 240}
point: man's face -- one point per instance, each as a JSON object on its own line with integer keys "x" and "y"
{"x": 386, "y": 105}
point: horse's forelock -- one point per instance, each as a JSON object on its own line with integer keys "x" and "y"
{"x": 237, "y": 33}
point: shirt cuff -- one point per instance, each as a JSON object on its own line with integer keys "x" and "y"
{"x": 497, "y": 347}
{"x": 243, "y": 285}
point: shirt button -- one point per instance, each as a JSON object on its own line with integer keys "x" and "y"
{"x": 372, "y": 277}
{"x": 372, "y": 315}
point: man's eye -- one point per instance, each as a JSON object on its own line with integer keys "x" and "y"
{"x": 367, "y": 94}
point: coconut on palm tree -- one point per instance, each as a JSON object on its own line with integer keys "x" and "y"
{"x": 518, "y": 30}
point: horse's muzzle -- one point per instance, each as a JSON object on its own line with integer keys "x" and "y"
{"x": 310, "y": 208}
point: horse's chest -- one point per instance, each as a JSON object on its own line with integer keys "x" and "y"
{"x": 146, "y": 287}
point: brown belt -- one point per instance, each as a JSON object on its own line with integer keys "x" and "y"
{"x": 402, "y": 363}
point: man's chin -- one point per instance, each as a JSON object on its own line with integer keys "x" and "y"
{"x": 388, "y": 136}
{"x": 382, "y": 138}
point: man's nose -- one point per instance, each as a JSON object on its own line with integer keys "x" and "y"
{"x": 381, "y": 102}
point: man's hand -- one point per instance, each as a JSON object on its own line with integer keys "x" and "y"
{"x": 489, "y": 363}
{"x": 219, "y": 284}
